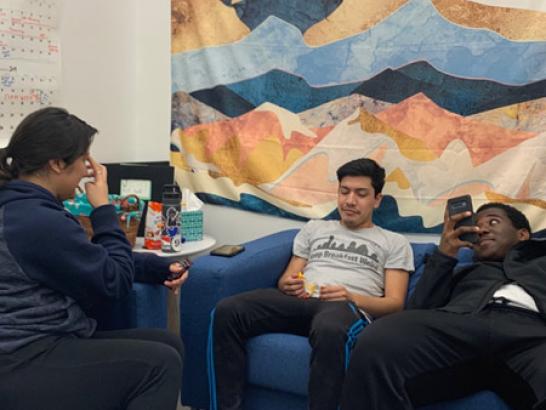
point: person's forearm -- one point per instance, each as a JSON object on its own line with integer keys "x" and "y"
{"x": 151, "y": 268}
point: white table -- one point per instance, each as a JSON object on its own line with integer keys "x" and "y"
{"x": 188, "y": 248}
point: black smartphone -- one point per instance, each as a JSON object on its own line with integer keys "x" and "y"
{"x": 186, "y": 263}
{"x": 227, "y": 250}
{"x": 463, "y": 204}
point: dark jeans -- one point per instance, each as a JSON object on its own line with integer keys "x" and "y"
{"x": 330, "y": 326}
{"x": 133, "y": 369}
{"x": 417, "y": 357}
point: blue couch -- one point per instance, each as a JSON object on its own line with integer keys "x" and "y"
{"x": 145, "y": 306}
{"x": 277, "y": 363}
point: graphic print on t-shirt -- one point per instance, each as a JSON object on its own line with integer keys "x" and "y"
{"x": 345, "y": 250}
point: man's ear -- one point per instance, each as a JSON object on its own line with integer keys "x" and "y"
{"x": 523, "y": 234}
{"x": 56, "y": 165}
{"x": 378, "y": 199}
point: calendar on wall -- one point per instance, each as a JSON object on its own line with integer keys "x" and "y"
{"x": 30, "y": 64}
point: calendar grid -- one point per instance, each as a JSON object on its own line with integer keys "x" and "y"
{"x": 30, "y": 60}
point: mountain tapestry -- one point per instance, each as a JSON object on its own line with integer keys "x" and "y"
{"x": 269, "y": 98}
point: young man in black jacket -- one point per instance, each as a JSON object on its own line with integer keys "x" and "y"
{"x": 480, "y": 327}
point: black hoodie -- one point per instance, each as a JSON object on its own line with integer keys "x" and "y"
{"x": 49, "y": 270}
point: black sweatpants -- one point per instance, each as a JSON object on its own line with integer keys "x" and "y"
{"x": 417, "y": 357}
{"x": 134, "y": 369}
{"x": 331, "y": 327}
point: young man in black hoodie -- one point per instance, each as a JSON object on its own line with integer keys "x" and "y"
{"x": 480, "y": 327}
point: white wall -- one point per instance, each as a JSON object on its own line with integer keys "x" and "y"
{"x": 98, "y": 72}
{"x": 116, "y": 76}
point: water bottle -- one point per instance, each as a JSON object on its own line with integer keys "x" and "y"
{"x": 171, "y": 235}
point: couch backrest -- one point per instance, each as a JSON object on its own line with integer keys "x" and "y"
{"x": 421, "y": 252}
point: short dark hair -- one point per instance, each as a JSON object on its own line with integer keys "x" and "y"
{"x": 46, "y": 134}
{"x": 518, "y": 218}
{"x": 364, "y": 167}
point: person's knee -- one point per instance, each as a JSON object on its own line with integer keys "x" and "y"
{"x": 167, "y": 338}
{"x": 169, "y": 359}
{"x": 228, "y": 310}
{"x": 374, "y": 344}
{"x": 175, "y": 342}
{"x": 328, "y": 330}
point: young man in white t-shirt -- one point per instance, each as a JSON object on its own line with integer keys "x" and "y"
{"x": 341, "y": 275}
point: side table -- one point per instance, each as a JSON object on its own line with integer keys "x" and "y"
{"x": 189, "y": 249}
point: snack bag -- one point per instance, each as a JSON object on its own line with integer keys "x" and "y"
{"x": 153, "y": 227}
{"x": 310, "y": 287}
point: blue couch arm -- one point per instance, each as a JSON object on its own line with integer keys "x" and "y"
{"x": 213, "y": 278}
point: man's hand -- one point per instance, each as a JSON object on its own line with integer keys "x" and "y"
{"x": 180, "y": 275}
{"x": 96, "y": 190}
{"x": 293, "y": 285}
{"x": 335, "y": 292}
{"x": 450, "y": 242}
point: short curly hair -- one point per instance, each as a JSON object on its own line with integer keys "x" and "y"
{"x": 518, "y": 219}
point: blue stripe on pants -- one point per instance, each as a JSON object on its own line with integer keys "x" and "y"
{"x": 353, "y": 333}
{"x": 210, "y": 363}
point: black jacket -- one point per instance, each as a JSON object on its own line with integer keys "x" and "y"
{"x": 469, "y": 289}
{"x": 51, "y": 275}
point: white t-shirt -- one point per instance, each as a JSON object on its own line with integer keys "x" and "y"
{"x": 356, "y": 259}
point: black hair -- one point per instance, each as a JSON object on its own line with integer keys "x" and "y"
{"x": 518, "y": 219}
{"x": 47, "y": 134}
{"x": 364, "y": 167}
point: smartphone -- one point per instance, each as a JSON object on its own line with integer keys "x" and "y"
{"x": 186, "y": 263}
{"x": 227, "y": 250}
{"x": 463, "y": 204}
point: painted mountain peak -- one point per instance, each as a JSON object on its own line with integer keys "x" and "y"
{"x": 238, "y": 148}
{"x": 300, "y": 13}
{"x": 187, "y": 111}
{"x": 350, "y": 18}
{"x": 462, "y": 96}
{"x": 512, "y": 23}
{"x": 524, "y": 116}
{"x": 421, "y": 118}
{"x": 203, "y": 23}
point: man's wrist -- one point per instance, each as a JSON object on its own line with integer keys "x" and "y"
{"x": 447, "y": 250}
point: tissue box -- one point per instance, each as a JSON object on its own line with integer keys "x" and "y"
{"x": 192, "y": 225}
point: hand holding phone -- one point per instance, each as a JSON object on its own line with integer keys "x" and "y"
{"x": 459, "y": 205}
{"x": 184, "y": 264}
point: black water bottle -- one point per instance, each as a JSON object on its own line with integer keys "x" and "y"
{"x": 171, "y": 235}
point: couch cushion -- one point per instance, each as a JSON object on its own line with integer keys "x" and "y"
{"x": 150, "y": 305}
{"x": 279, "y": 361}
{"x": 420, "y": 255}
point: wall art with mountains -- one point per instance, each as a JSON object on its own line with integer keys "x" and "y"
{"x": 269, "y": 98}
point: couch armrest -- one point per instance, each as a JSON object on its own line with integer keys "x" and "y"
{"x": 145, "y": 306}
{"x": 213, "y": 278}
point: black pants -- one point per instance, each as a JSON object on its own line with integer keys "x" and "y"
{"x": 134, "y": 369}
{"x": 417, "y": 357}
{"x": 331, "y": 327}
